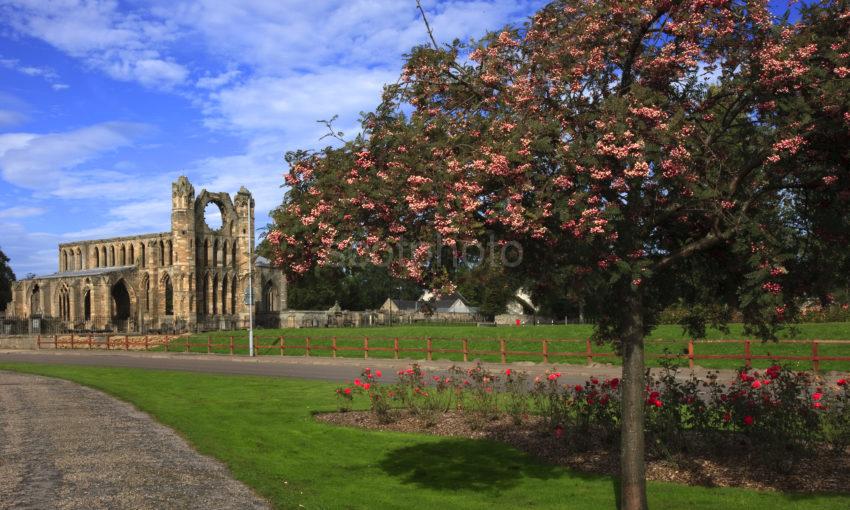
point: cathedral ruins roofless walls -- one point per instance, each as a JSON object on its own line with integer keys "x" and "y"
{"x": 193, "y": 277}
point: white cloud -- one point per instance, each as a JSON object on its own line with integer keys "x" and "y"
{"x": 43, "y": 161}
{"x": 125, "y": 45}
{"x": 46, "y": 73}
{"x": 294, "y": 104}
{"x": 29, "y": 252}
{"x": 9, "y": 117}
{"x": 21, "y": 212}
{"x": 209, "y": 82}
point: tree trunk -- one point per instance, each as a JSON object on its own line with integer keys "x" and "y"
{"x": 632, "y": 461}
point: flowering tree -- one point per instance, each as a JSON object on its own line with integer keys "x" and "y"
{"x": 649, "y": 151}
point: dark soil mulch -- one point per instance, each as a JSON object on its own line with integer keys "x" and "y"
{"x": 728, "y": 462}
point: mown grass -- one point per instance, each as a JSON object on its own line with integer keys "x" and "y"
{"x": 668, "y": 339}
{"x": 263, "y": 429}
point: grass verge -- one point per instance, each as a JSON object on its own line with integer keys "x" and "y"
{"x": 263, "y": 429}
{"x": 664, "y": 339}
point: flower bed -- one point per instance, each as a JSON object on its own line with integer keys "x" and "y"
{"x": 776, "y": 429}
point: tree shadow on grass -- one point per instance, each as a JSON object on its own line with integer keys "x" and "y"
{"x": 454, "y": 464}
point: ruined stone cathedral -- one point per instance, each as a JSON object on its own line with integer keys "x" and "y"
{"x": 193, "y": 277}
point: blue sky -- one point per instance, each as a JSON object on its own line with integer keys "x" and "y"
{"x": 103, "y": 104}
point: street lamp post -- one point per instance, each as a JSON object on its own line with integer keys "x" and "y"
{"x": 251, "y": 295}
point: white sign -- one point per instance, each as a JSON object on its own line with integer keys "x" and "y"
{"x": 249, "y": 296}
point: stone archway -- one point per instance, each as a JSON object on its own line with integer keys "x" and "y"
{"x": 121, "y": 305}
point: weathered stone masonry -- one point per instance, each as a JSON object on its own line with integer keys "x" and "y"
{"x": 190, "y": 276}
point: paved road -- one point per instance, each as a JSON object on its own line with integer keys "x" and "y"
{"x": 64, "y": 446}
{"x": 320, "y": 368}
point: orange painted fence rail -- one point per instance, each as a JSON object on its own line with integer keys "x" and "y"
{"x": 545, "y": 352}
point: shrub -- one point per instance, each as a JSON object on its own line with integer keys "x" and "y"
{"x": 379, "y": 395}
{"x": 480, "y": 402}
{"x": 344, "y": 398}
{"x": 516, "y": 395}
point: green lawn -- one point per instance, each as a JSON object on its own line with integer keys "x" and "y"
{"x": 665, "y": 338}
{"x": 263, "y": 430}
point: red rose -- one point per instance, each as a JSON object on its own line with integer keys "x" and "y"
{"x": 579, "y": 388}
{"x": 378, "y": 373}
{"x": 727, "y": 417}
{"x": 358, "y": 382}
{"x": 559, "y": 432}
{"x": 817, "y": 396}
{"x": 748, "y": 420}
{"x": 508, "y": 371}
{"x": 613, "y": 383}
{"x": 347, "y": 391}
{"x": 366, "y": 386}
{"x": 756, "y": 385}
{"x": 841, "y": 382}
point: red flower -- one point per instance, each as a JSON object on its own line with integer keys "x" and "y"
{"x": 817, "y": 396}
{"x": 559, "y": 432}
{"x": 378, "y": 373}
{"x": 358, "y": 382}
{"x": 508, "y": 371}
{"x": 594, "y": 381}
{"x": 773, "y": 371}
{"x": 657, "y": 403}
{"x": 366, "y": 386}
{"x": 727, "y": 417}
{"x": 756, "y": 385}
{"x": 748, "y": 420}
{"x": 613, "y": 383}
{"x": 554, "y": 376}
{"x": 841, "y": 382}
{"x": 817, "y": 405}
{"x": 579, "y": 388}
{"x": 347, "y": 391}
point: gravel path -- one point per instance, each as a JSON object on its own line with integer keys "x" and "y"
{"x": 65, "y": 446}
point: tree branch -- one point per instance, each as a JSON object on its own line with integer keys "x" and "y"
{"x": 427, "y": 25}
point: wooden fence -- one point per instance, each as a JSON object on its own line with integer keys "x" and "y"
{"x": 549, "y": 348}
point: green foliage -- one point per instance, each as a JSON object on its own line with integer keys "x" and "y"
{"x": 361, "y": 288}
{"x": 6, "y": 279}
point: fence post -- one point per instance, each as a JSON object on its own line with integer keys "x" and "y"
{"x": 465, "y": 350}
{"x": 748, "y": 361}
{"x": 588, "y": 351}
{"x": 307, "y": 350}
{"x": 90, "y": 339}
{"x": 209, "y": 344}
{"x": 365, "y": 347}
{"x": 166, "y": 343}
{"x": 146, "y": 343}
{"x": 72, "y": 340}
{"x": 38, "y": 341}
{"x": 545, "y": 351}
{"x": 691, "y": 353}
{"x": 395, "y": 348}
{"x": 55, "y": 342}
{"x": 231, "y": 345}
{"x": 126, "y": 343}
{"x": 430, "y": 355}
{"x": 815, "y": 357}
{"x": 502, "y": 350}
{"x": 282, "y": 345}
{"x": 108, "y": 342}
{"x": 187, "y": 344}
